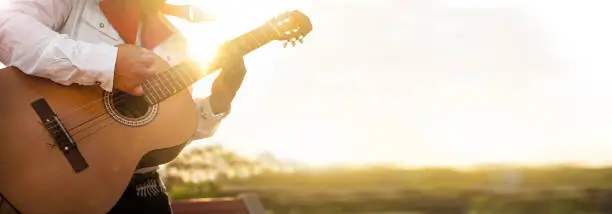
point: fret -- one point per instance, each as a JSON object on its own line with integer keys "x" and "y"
{"x": 159, "y": 94}
{"x": 153, "y": 89}
{"x": 172, "y": 82}
{"x": 148, "y": 96}
{"x": 169, "y": 83}
{"x": 161, "y": 86}
{"x": 187, "y": 73}
{"x": 163, "y": 82}
{"x": 182, "y": 77}
{"x": 179, "y": 84}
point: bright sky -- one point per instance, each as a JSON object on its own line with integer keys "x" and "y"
{"x": 422, "y": 82}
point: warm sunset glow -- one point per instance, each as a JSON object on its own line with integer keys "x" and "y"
{"x": 419, "y": 82}
{"x": 442, "y": 82}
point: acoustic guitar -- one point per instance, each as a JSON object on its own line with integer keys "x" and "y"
{"x": 73, "y": 149}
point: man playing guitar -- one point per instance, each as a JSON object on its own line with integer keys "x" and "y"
{"x": 110, "y": 43}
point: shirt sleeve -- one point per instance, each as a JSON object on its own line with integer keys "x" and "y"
{"x": 208, "y": 122}
{"x": 29, "y": 41}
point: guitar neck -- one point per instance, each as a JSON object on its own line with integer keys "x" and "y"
{"x": 165, "y": 84}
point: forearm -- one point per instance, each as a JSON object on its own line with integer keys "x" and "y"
{"x": 226, "y": 85}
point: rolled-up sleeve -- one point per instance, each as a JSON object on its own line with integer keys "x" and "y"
{"x": 29, "y": 41}
{"x": 208, "y": 122}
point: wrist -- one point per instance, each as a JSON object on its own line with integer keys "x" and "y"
{"x": 209, "y": 108}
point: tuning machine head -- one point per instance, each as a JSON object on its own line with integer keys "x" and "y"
{"x": 294, "y": 40}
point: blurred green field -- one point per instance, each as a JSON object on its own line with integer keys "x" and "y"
{"x": 562, "y": 189}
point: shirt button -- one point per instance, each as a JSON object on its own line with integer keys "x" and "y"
{"x": 101, "y": 25}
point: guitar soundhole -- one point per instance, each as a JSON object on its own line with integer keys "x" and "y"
{"x": 129, "y": 110}
{"x": 130, "y": 106}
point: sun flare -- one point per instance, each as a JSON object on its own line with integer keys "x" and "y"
{"x": 230, "y": 19}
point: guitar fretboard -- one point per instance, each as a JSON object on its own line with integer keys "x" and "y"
{"x": 165, "y": 84}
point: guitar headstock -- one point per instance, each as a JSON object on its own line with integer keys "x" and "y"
{"x": 291, "y": 27}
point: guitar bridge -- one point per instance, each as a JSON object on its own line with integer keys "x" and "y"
{"x": 62, "y": 138}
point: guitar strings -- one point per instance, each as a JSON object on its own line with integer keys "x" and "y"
{"x": 84, "y": 123}
{"x": 96, "y": 130}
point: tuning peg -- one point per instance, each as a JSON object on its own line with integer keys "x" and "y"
{"x": 301, "y": 40}
{"x": 285, "y": 44}
{"x": 293, "y": 43}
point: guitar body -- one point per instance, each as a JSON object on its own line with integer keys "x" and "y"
{"x": 36, "y": 177}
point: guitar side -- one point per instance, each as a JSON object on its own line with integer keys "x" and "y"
{"x": 35, "y": 175}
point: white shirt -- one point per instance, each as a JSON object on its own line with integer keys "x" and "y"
{"x": 72, "y": 42}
